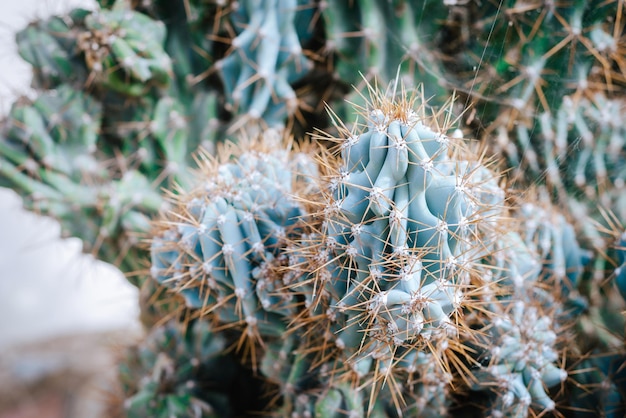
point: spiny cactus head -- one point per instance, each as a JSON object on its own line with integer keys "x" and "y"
{"x": 409, "y": 215}
{"x": 220, "y": 243}
{"x": 50, "y": 47}
{"x": 264, "y": 59}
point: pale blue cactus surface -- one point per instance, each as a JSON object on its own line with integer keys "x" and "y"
{"x": 523, "y": 361}
{"x": 266, "y": 58}
{"x": 397, "y": 226}
{"x": 218, "y": 248}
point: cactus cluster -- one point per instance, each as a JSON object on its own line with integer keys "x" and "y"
{"x": 266, "y": 58}
{"x": 380, "y": 268}
{"x": 383, "y": 265}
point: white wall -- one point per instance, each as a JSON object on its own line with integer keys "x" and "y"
{"x": 47, "y": 287}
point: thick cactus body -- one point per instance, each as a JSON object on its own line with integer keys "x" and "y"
{"x": 124, "y": 50}
{"x": 51, "y": 154}
{"x": 94, "y": 151}
{"x": 219, "y": 245}
{"x": 581, "y": 147}
{"x": 523, "y": 56}
{"x": 265, "y": 59}
{"x": 394, "y": 279}
{"x": 525, "y": 341}
{"x": 407, "y": 224}
{"x": 601, "y": 389}
{"x": 312, "y": 389}
{"x": 547, "y": 233}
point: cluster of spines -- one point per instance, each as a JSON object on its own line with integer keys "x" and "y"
{"x": 532, "y": 55}
{"x": 51, "y": 153}
{"x": 123, "y": 50}
{"x": 579, "y": 148}
{"x": 307, "y": 387}
{"x": 552, "y": 237}
{"x": 107, "y": 131}
{"x": 523, "y": 355}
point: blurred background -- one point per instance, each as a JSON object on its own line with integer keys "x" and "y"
{"x": 64, "y": 317}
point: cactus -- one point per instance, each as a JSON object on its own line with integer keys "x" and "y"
{"x": 218, "y": 245}
{"x": 372, "y": 41}
{"x": 124, "y": 51}
{"x": 519, "y": 56}
{"x": 521, "y": 364}
{"x": 307, "y": 387}
{"x": 600, "y": 390}
{"x": 89, "y": 151}
{"x": 266, "y": 58}
{"x": 50, "y": 46}
{"x": 181, "y": 370}
{"x": 396, "y": 224}
{"x": 550, "y": 235}
{"x": 394, "y": 267}
{"x": 51, "y": 156}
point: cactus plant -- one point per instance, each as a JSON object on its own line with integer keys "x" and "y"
{"x": 181, "y": 370}
{"x": 218, "y": 244}
{"x": 396, "y": 223}
{"x": 394, "y": 268}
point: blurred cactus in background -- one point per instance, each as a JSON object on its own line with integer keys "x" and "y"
{"x": 291, "y": 185}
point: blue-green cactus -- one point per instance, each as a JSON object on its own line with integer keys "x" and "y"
{"x": 408, "y": 218}
{"x": 266, "y": 57}
{"x": 124, "y": 50}
{"x": 118, "y": 49}
{"x": 581, "y": 148}
{"x": 522, "y": 361}
{"x": 95, "y": 150}
{"x": 380, "y": 40}
{"x": 50, "y": 47}
{"x": 523, "y": 345}
{"x": 409, "y": 285}
{"x": 548, "y": 234}
{"x": 58, "y": 132}
{"x": 601, "y": 389}
{"x": 517, "y": 58}
{"x": 50, "y": 154}
{"x": 220, "y": 245}
{"x": 308, "y": 388}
